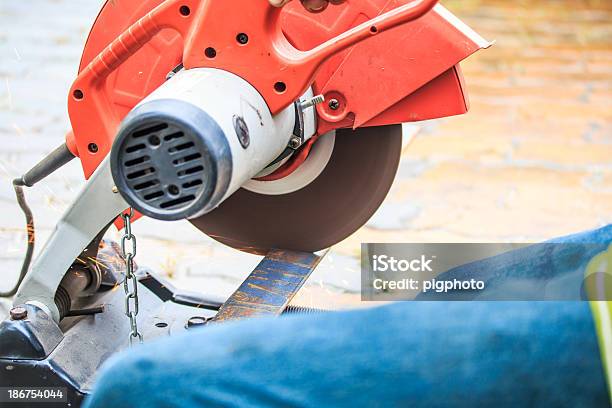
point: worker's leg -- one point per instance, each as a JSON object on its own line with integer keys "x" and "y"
{"x": 408, "y": 354}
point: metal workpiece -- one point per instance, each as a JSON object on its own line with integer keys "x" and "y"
{"x": 270, "y": 287}
{"x": 95, "y": 208}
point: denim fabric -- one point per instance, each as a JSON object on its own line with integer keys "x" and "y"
{"x": 456, "y": 354}
{"x": 553, "y": 270}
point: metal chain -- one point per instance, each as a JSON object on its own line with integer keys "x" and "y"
{"x": 130, "y": 283}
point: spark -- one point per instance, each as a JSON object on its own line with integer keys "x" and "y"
{"x": 17, "y": 129}
{"x": 30, "y": 230}
{"x": 116, "y": 261}
{"x": 9, "y": 94}
{"x": 98, "y": 263}
{"x": 4, "y": 169}
{"x": 55, "y": 197}
{"x": 169, "y": 267}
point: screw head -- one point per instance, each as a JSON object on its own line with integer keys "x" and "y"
{"x": 18, "y": 313}
{"x": 295, "y": 142}
{"x": 242, "y": 38}
{"x": 210, "y": 52}
{"x": 334, "y": 104}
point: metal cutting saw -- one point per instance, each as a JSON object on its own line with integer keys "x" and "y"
{"x": 272, "y": 130}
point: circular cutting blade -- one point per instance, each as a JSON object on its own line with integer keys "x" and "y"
{"x": 346, "y": 194}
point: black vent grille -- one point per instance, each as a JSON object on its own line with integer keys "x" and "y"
{"x": 162, "y": 167}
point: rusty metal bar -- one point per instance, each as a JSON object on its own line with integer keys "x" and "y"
{"x": 269, "y": 288}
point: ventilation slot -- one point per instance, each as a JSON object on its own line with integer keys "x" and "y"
{"x": 135, "y": 148}
{"x": 146, "y": 184}
{"x": 180, "y": 147}
{"x": 174, "y": 136}
{"x": 192, "y": 170}
{"x": 154, "y": 195}
{"x": 178, "y": 201}
{"x": 149, "y": 130}
{"x": 141, "y": 173}
{"x": 136, "y": 161}
{"x": 187, "y": 159}
{"x": 193, "y": 183}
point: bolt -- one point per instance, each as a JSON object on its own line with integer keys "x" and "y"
{"x": 334, "y": 104}
{"x": 185, "y": 11}
{"x": 242, "y": 38}
{"x": 315, "y": 100}
{"x": 295, "y": 142}
{"x": 196, "y": 321}
{"x": 115, "y": 189}
{"x": 210, "y": 52}
{"x": 18, "y": 313}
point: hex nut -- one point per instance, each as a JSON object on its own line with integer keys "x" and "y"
{"x": 18, "y": 313}
{"x": 196, "y": 321}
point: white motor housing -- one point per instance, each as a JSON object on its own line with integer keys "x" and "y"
{"x": 194, "y": 141}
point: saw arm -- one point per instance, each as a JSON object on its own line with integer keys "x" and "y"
{"x": 95, "y": 209}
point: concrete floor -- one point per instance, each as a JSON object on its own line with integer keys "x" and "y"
{"x": 532, "y": 160}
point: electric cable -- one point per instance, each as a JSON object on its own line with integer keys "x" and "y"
{"x": 18, "y": 185}
{"x": 45, "y": 167}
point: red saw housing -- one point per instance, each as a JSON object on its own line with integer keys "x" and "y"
{"x": 405, "y": 71}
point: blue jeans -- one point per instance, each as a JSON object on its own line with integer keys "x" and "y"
{"x": 406, "y": 354}
{"x": 457, "y": 354}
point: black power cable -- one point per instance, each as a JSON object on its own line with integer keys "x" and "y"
{"x": 46, "y": 166}
{"x": 21, "y": 200}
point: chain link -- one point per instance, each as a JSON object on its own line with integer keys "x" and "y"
{"x": 130, "y": 283}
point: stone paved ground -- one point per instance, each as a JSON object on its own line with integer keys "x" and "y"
{"x": 531, "y": 161}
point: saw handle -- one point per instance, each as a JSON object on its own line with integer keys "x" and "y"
{"x": 94, "y": 122}
{"x": 258, "y": 51}
{"x": 384, "y": 22}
